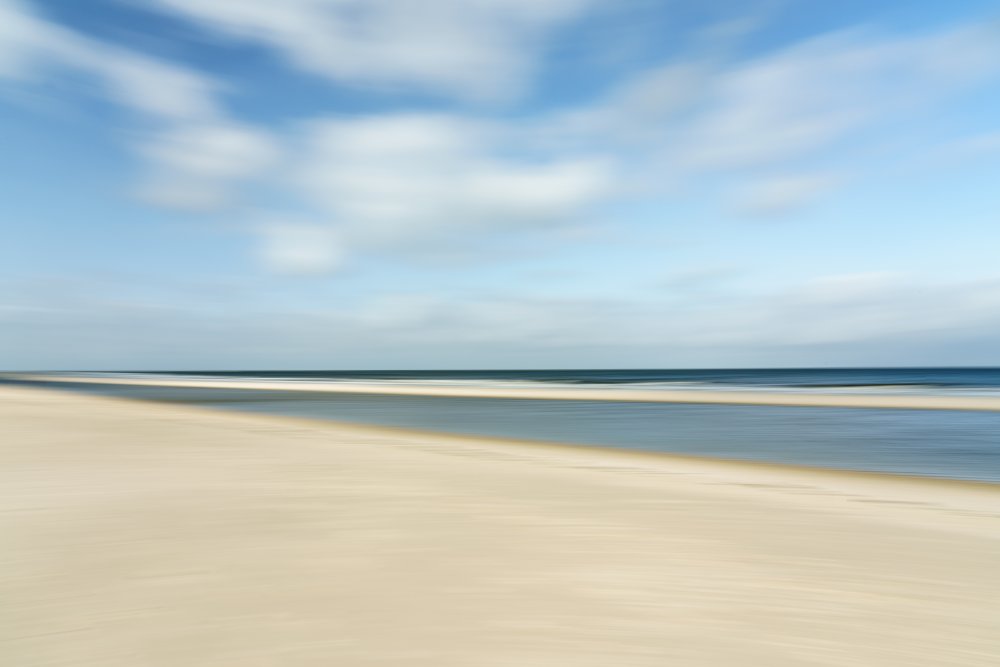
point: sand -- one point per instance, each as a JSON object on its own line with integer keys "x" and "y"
{"x": 144, "y": 535}
{"x": 741, "y": 397}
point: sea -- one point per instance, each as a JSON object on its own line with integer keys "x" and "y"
{"x": 934, "y": 443}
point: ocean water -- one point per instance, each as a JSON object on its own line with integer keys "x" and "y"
{"x": 951, "y": 444}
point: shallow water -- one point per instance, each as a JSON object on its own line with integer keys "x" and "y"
{"x": 953, "y": 444}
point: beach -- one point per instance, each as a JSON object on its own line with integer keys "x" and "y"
{"x": 163, "y": 535}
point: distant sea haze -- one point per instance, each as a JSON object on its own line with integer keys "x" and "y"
{"x": 937, "y": 443}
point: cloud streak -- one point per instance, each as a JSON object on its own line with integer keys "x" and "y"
{"x": 32, "y": 47}
{"x": 394, "y": 178}
{"x": 198, "y": 165}
{"x": 197, "y": 152}
{"x": 478, "y": 51}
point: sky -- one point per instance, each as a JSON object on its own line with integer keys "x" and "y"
{"x": 409, "y": 184}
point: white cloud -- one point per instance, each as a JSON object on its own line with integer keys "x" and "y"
{"x": 196, "y": 166}
{"x": 197, "y": 153}
{"x": 470, "y": 49}
{"x": 31, "y": 46}
{"x": 808, "y": 96}
{"x": 381, "y": 180}
{"x": 21, "y": 38}
{"x": 749, "y": 122}
{"x": 705, "y": 114}
{"x": 153, "y": 87}
{"x": 300, "y": 248}
{"x": 396, "y": 177}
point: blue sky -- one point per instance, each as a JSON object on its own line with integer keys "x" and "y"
{"x": 498, "y": 183}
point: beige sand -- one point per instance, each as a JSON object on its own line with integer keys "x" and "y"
{"x": 842, "y": 400}
{"x": 141, "y": 535}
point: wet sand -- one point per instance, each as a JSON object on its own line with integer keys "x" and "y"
{"x": 583, "y": 393}
{"x": 158, "y": 535}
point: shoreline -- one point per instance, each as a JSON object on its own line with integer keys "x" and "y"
{"x": 651, "y": 457}
{"x": 817, "y": 399}
{"x": 612, "y": 450}
{"x": 169, "y": 534}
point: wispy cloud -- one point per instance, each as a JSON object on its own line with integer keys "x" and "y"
{"x": 34, "y": 47}
{"x": 810, "y": 95}
{"x": 768, "y": 123}
{"x": 197, "y": 165}
{"x": 480, "y": 51}
{"x": 397, "y": 177}
{"x": 298, "y": 248}
{"x": 196, "y": 151}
